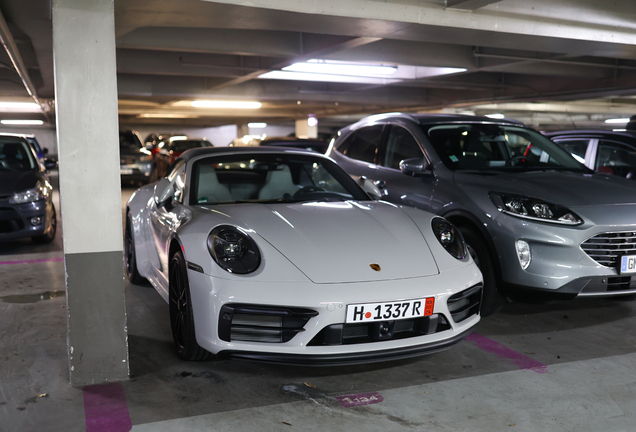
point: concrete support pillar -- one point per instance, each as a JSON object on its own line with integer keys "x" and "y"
{"x": 242, "y": 130}
{"x": 90, "y": 191}
{"x": 307, "y": 128}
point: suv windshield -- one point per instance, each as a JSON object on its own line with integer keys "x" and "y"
{"x": 487, "y": 147}
{"x": 16, "y": 155}
{"x": 128, "y": 141}
{"x": 266, "y": 178}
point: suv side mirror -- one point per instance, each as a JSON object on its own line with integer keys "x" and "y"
{"x": 415, "y": 167}
{"x": 163, "y": 192}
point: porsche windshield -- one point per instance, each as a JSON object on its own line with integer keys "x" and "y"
{"x": 492, "y": 147}
{"x": 267, "y": 178}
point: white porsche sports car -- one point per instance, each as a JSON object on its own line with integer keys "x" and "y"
{"x": 278, "y": 255}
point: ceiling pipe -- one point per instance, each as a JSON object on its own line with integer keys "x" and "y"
{"x": 12, "y": 50}
{"x": 549, "y": 60}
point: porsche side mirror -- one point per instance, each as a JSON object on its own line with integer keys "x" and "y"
{"x": 163, "y": 192}
{"x": 415, "y": 167}
{"x": 371, "y": 189}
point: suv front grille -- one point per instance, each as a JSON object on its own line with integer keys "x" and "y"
{"x": 607, "y": 247}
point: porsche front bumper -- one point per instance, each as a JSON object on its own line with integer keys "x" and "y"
{"x": 327, "y": 303}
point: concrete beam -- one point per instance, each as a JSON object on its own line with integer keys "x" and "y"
{"x": 90, "y": 190}
{"x": 589, "y": 20}
{"x": 469, "y": 5}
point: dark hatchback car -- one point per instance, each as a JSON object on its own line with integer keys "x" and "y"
{"x": 537, "y": 222}
{"x": 316, "y": 145}
{"x": 135, "y": 159}
{"x": 608, "y": 152}
{"x": 26, "y": 196}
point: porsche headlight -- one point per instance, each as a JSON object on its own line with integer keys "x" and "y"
{"x": 450, "y": 238}
{"x": 233, "y": 250}
{"x": 534, "y": 209}
{"x": 38, "y": 193}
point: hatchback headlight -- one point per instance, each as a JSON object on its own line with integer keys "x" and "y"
{"x": 38, "y": 193}
{"x": 450, "y": 238}
{"x": 534, "y": 209}
{"x": 233, "y": 250}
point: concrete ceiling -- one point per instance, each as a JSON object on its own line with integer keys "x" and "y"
{"x": 548, "y": 63}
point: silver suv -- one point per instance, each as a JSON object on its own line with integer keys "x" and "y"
{"x": 537, "y": 222}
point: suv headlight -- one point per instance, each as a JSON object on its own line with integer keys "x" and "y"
{"x": 534, "y": 209}
{"x": 450, "y": 238}
{"x": 38, "y": 193}
{"x": 233, "y": 250}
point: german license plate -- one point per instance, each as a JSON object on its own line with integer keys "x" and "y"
{"x": 125, "y": 171}
{"x": 365, "y": 312}
{"x": 628, "y": 264}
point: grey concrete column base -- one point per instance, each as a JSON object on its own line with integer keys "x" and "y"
{"x": 96, "y": 308}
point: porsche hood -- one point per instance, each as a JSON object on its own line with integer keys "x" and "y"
{"x": 339, "y": 242}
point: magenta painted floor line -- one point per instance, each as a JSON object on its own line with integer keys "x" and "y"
{"x": 524, "y": 362}
{"x": 32, "y": 261}
{"x": 105, "y": 408}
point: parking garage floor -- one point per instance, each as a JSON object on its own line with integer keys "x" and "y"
{"x": 560, "y": 366}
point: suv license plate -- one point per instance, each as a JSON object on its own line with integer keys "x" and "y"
{"x": 406, "y": 309}
{"x": 628, "y": 264}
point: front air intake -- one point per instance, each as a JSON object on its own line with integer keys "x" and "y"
{"x": 465, "y": 303}
{"x": 264, "y": 324}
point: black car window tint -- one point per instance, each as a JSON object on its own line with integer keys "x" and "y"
{"x": 577, "y": 147}
{"x": 400, "y": 145}
{"x": 616, "y": 158}
{"x": 364, "y": 144}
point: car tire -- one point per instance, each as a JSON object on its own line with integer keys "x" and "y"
{"x": 130, "y": 256}
{"x": 49, "y": 235}
{"x": 181, "y": 314}
{"x": 492, "y": 299}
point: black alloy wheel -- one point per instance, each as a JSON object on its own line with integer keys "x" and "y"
{"x": 130, "y": 257}
{"x": 49, "y": 234}
{"x": 181, "y": 315}
{"x": 492, "y": 299}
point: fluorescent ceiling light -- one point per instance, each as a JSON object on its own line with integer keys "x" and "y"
{"x": 355, "y": 72}
{"x": 257, "y": 125}
{"x": 341, "y": 68}
{"x": 619, "y": 130}
{"x": 306, "y": 76}
{"x": 617, "y": 120}
{"x": 22, "y": 122}
{"x": 496, "y": 116}
{"x": 225, "y": 104}
{"x": 178, "y": 138}
{"x": 20, "y": 107}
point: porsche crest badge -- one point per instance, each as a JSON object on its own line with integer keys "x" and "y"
{"x": 375, "y": 267}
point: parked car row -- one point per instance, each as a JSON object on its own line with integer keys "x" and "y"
{"x": 275, "y": 253}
